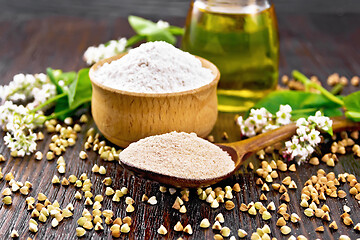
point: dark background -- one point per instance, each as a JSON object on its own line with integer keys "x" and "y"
{"x": 316, "y": 36}
{"x": 22, "y": 9}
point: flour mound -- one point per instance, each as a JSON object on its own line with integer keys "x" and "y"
{"x": 180, "y": 155}
{"x": 154, "y": 67}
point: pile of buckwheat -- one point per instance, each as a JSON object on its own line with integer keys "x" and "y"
{"x": 314, "y": 193}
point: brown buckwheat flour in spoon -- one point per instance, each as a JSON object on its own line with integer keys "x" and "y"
{"x": 181, "y": 155}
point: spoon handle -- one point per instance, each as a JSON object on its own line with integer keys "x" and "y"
{"x": 264, "y": 140}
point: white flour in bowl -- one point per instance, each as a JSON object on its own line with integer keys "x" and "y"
{"x": 154, "y": 67}
{"x": 180, "y": 155}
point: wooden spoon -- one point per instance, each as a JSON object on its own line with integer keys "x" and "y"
{"x": 239, "y": 151}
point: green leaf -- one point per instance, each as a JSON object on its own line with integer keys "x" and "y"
{"x": 67, "y": 77}
{"x": 56, "y": 75}
{"x": 142, "y": 26}
{"x": 52, "y": 76}
{"x": 176, "y": 30}
{"x": 332, "y": 112}
{"x": 62, "y": 104}
{"x": 355, "y": 116}
{"x": 79, "y": 93}
{"x": 352, "y": 105}
{"x": 303, "y": 104}
{"x": 151, "y": 31}
{"x": 161, "y": 35}
{"x": 80, "y": 90}
{"x": 352, "y": 101}
{"x": 62, "y": 109}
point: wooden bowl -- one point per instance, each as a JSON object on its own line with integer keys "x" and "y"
{"x": 125, "y": 117}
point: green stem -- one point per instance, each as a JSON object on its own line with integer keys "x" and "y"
{"x": 48, "y": 102}
{"x": 302, "y": 78}
{"x": 337, "y": 89}
{"x": 16, "y": 90}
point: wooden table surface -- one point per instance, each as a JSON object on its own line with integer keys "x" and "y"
{"x": 316, "y": 44}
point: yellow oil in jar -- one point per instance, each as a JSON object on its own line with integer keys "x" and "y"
{"x": 243, "y": 43}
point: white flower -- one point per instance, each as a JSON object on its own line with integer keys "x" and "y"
{"x": 322, "y": 122}
{"x": 261, "y": 120}
{"x": 244, "y": 129}
{"x": 327, "y": 124}
{"x": 285, "y": 108}
{"x": 309, "y": 150}
{"x": 250, "y": 131}
{"x": 301, "y": 145}
{"x": 114, "y": 47}
{"x": 283, "y": 116}
{"x": 260, "y": 117}
{"x": 314, "y": 137}
{"x": 42, "y": 94}
{"x": 27, "y": 87}
{"x": 9, "y": 140}
{"x": 240, "y": 121}
{"x": 91, "y": 55}
{"x": 293, "y": 147}
{"x": 42, "y": 77}
{"x": 7, "y": 112}
{"x": 247, "y": 127}
{"x": 269, "y": 127}
{"x": 308, "y": 136}
{"x": 162, "y": 24}
{"x": 20, "y": 142}
{"x": 19, "y": 122}
{"x": 302, "y": 122}
{"x": 297, "y": 149}
{"x": 17, "y": 97}
{"x": 293, "y": 144}
{"x": 302, "y": 132}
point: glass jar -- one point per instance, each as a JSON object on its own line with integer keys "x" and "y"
{"x": 241, "y": 38}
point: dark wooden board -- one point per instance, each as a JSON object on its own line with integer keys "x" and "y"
{"x": 111, "y": 9}
{"x": 314, "y": 44}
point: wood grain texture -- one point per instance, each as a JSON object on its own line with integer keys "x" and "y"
{"x": 314, "y": 44}
{"x": 111, "y": 9}
{"x": 124, "y": 117}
